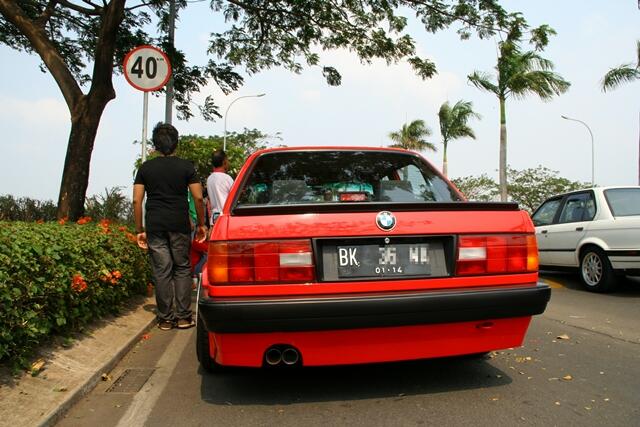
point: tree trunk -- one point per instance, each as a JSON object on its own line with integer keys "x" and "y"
{"x": 86, "y": 114}
{"x": 444, "y": 159}
{"x": 86, "y": 110}
{"x": 75, "y": 175}
{"x": 503, "y": 151}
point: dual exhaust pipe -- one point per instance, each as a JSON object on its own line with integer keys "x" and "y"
{"x": 279, "y": 355}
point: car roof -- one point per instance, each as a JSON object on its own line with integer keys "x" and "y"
{"x": 596, "y": 189}
{"x": 337, "y": 148}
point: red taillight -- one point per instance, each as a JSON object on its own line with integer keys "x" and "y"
{"x": 258, "y": 262}
{"x": 497, "y": 254}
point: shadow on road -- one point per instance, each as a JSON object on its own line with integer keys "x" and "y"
{"x": 628, "y": 287}
{"x": 344, "y": 383}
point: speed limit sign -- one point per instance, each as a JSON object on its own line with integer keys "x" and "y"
{"x": 147, "y": 68}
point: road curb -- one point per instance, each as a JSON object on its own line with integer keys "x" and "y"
{"x": 83, "y": 389}
{"x": 71, "y": 373}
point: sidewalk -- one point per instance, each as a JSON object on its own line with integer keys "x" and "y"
{"x": 70, "y": 373}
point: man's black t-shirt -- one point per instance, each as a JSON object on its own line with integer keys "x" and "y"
{"x": 166, "y": 181}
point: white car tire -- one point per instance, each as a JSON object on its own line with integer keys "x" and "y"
{"x": 595, "y": 270}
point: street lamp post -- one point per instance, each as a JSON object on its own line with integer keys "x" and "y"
{"x": 592, "y": 148}
{"x": 224, "y": 144}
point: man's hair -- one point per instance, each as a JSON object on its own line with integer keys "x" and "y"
{"x": 217, "y": 159}
{"x": 165, "y": 138}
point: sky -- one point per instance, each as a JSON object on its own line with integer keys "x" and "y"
{"x": 373, "y": 100}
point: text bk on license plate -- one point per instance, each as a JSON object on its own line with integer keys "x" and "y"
{"x": 404, "y": 259}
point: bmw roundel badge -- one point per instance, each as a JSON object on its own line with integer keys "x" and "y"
{"x": 385, "y": 221}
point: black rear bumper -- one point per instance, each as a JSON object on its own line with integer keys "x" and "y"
{"x": 370, "y": 311}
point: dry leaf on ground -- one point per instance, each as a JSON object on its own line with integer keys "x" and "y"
{"x": 562, "y": 337}
{"x": 567, "y": 378}
{"x": 36, "y": 367}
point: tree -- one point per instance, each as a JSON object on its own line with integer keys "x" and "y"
{"x": 519, "y": 74}
{"x": 527, "y": 187}
{"x": 240, "y": 146}
{"x": 477, "y": 189}
{"x": 412, "y": 137}
{"x": 82, "y": 42}
{"x": 623, "y": 74}
{"x": 453, "y": 125}
{"x": 198, "y": 149}
{"x": 530, "y": 187}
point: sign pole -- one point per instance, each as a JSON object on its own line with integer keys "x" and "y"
{"x": 146, "y": 68}
{"x": 145, "y": 114}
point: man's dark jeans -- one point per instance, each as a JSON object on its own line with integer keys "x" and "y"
{"x": 171, "y": 269}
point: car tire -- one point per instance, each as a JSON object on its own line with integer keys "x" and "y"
{"x": 202, "y": 350}
{"x": 595, "y": 271}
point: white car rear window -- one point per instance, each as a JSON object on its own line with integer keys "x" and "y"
{"x": 623, "y": 201}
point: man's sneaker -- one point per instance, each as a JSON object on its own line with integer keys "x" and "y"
{"x": 186, "y": 323}
{"x": 165, "y": 325}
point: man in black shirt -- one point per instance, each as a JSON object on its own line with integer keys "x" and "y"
{"x": 166, "y": 180}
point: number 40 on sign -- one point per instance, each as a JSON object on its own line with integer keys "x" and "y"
{"x": 147, "y": 68}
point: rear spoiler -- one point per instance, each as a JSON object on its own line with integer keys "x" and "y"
{"x": 347, "y": 207}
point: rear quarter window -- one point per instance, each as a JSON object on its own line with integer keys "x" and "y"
{"x": 318, "y": 177}
{"x": 623, "y": 201}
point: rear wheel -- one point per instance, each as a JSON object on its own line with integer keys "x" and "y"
{"x": 202, "y": 350}
{"x": 595, "y": 271}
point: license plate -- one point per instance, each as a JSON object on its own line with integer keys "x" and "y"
{"x": 403, "y": 259}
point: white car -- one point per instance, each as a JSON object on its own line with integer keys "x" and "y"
{"x": 596, "y": 230}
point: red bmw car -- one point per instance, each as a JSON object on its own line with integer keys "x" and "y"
{"x": 329, "y": 256}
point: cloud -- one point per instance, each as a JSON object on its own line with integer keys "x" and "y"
{"x": 45, "y": 110}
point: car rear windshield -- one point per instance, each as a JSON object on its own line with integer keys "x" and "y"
{"x": 319, "y": 177}
{"x": 623, "y": 201}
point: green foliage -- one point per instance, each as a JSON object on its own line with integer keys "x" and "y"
{"x": 84, "y": 43}
{"x": 199, "y": 149}
{"x": 26, "y": 209}
{"x": 625, "y": 73}
{"x": 257, "y": 36}
{"x": 530, "y": 187}
{"x": 527, "y": 187}
{"x": 519, "y": 74}
{"x": 113, "y": 205}
{"x": 38, "y": 293}
{"x": 453, "y": 121}
{"x": 477, "y": 188}
{"x": 412, "y": 136}
{"x": 453, "y": 125}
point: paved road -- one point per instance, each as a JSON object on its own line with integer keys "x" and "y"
{"x": 590, "y": 379}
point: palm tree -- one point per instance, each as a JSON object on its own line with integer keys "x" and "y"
{"x": 412, "y": 137}
{"x": 453, "y": 125}
{"x": 622, "y": 74}
{"x": 519, "y": 74}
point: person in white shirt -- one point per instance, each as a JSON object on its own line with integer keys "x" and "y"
{"x": 218, "y": 184}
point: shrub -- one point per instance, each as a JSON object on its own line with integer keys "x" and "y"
{"x": 113, "y": 205}
{"x": 56, "y": 277}
{"x": 26, "y": 209}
